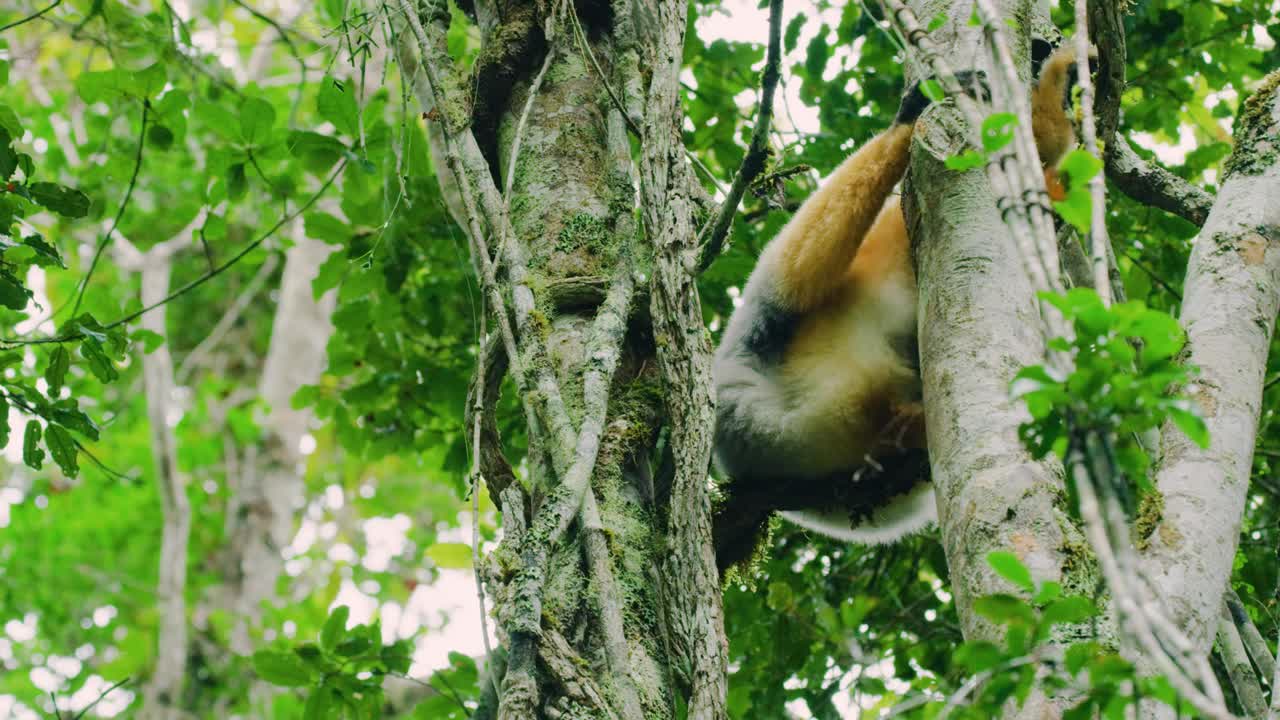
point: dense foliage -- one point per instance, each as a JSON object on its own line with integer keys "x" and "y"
{"x": 238, "y": 127}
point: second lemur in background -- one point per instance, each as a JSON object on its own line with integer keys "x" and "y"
{"x": 815, "y": 376}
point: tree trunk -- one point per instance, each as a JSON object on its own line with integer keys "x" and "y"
{"x": 1231, "y": 297}
{"x": 268, "y": 489}
{"x": 606, "y": 591}
{"x": 164, "y": 691}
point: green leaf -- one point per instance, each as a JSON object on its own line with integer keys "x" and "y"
{"x": 9, "y": 122}
{"x": 12, "y": 294}
{"x": 237, "y": 182}
{"x": 319, "y": 705}
{"x": 63, "y": 200}
{"x": 1077, "y": 209}
{"x": 450, "y": 555}
{"x": 4, "y": 421}
{"x": 1191, "y": 424}
{"x": 1011, "y": 568}
{"x": 1049, "y": 591}
{"x": 932, "y": 90}
{"x": 938, "y": 21}
{"x": 338, "y": 106}
{"x": 353, "y": 646}
{"x": 1079, "y": 166}
{"x": 997, "y": 130}
{"x": 280, "y": 668}
{"x": 56, "y": 373}
{"x": 1002, "y": 608}
{"x": 46, "y": 253}
{"x": 257, "y": 118}
{"x": 1071, "y": 609}
{"x": 32, "y": 455}
{"x": 792, "y": 34}
{"x": 326, "y": 228}
{"x": 160, "y": 137}
{"x": 978, "y": 655}
{"x": 317, "y": 152}
{"x": 99, "y": 364}
{"x": 334, "y": 627}
{"x": 149, "y": 338}
{"x": 966, "y": 160}
{"x": 64, "y": 449}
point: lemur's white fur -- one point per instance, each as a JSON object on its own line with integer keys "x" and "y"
{"x": 905, "y": 514}
{"x": 813, "y": 378}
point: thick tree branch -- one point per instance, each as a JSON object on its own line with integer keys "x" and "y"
{"x": 1232, "y": 295}
{"x": 1152, "y": 185}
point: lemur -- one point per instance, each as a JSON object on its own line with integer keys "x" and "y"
{"x": 815, "y": 375}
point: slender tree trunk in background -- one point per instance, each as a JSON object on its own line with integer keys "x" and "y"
{"x": 609, "y": 602}
{"x": 163, "y": 692}
{"x": 268, "y": 487}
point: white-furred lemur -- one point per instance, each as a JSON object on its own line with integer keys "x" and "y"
{"x": 816, "y": 375}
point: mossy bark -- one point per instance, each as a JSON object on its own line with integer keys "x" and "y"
{"x": 601, "y": 635}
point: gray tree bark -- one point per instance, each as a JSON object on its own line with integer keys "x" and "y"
{"x": 615, "y": 624}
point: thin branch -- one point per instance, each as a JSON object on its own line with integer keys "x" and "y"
{"x": 1239, "y": 671}
{"x": 1152, "y": 185}
{"x": 1249, "y": 633}
{"x": 188, "y": 287}
{"x": 1164, "y": 284}
{"x": 29, "y": 18}
{"x": 124, "y": 204}
{"x": 753, "y": 164}
{"x": 1099, "y": 244}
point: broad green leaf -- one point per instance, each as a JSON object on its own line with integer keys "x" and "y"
{"x": 1076, "y": 208}
{"x": 932, "y": 90}
{"x": 327, "y": 228}
{"x": 334, "y": 627}
{"x": 63, "y": 200}
{"x": 257, "y": 118}
{"x": 1192, "y": 425}
{"x": 280, "y": 668}
{"x": 4, "y": 421}
{"x": 1079, "y": 166}
{"x": 353, "y": 646}
{"x": 1010, "y": 567}
{"x": 12, "y": 294}
{"x": 317, "y": 152}
{"x": 160, "y": 137}
{"x": 1072, "y": 609}
{"x": 56, "y": 373}
{"x": 320, "y": 704}
{"x": 997, "y": 130}
{"x": 966, "y": 160}
{"x": 47, "y": 254}
{"x": 237, "y": 182}
{"x": 63, "y": 448}
{"x": 32, "y": 454}
{"x": 9, "y": 122}
{"x": 1002, "y": 608}
{"x": 149, "y": 338}
{"x": 337, "y": 104}
{"x": 99, "y": 364}
{"x": 454, "y": 556}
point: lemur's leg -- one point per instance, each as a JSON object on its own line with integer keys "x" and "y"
{"x": 819, "y": 243}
